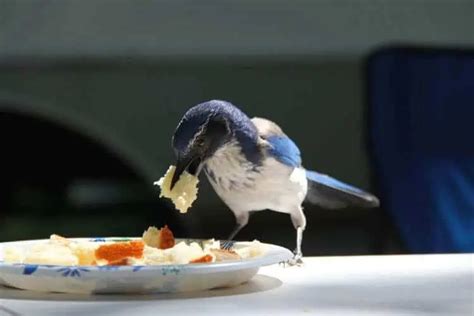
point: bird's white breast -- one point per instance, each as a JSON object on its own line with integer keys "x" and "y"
{"x": 246, "y": 187}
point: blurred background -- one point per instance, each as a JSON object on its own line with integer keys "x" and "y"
{"x": 379, "y": 94}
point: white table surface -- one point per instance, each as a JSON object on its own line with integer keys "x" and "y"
{"x": 366, "y": 285}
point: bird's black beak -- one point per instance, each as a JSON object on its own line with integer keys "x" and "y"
{"x": 211, "y": 136}
{"x": 190, "y": 163}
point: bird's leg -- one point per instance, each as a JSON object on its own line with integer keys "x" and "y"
{"x": 235, "y": 231}
{"x": 298, "y": 258}
{"x": 299, "y": 221}
{"x": 242, "y": 218}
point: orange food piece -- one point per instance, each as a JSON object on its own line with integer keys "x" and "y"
{"x": 122, "y": 262}
{"x": 203, "y": 259}
{"x": 119, "y": 251}
{"x": 166, "y": 238}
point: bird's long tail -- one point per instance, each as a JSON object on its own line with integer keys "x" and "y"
{"x": 328, "y": 192}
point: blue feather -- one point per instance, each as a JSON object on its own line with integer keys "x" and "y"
{"x": 331, "y": 193}
{"x": 331, "y": 182}
{"x": 284, "y": 150}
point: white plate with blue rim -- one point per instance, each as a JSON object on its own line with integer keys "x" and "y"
{"x": 134, "y": 279}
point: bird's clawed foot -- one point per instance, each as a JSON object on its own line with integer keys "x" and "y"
{"x": 297, "y": 260}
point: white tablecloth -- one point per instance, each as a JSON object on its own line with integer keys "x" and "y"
{"x": 366, "y": 285}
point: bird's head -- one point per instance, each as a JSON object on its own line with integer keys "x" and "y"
{"x": 202, "y": 131}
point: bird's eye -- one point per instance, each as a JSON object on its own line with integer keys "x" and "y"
{"x": 199, "y": 141}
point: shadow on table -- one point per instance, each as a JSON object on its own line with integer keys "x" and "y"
{"x": 8, "y": 312}
{"x": 434, "y": 295}
{"x": 259, "y": 283}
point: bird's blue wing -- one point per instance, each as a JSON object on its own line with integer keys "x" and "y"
{"x": 331, "y": 193}
{"x": 284, "y": 150}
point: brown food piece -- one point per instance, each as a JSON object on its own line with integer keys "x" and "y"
{"x": 225, "y": 255}
{"x": 203, "y": 259}
{"x": 166, "y": 238}
{"x": 119, "y": 251}
{"x": 159, "y": 238}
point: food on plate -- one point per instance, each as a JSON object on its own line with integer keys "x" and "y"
{"x": 120, "y": 251}
{"x": 224, "y": 254}
{"x": 184, "y": 192}
{"x": 203, "y": 259}
{"x": 159, "y": 238}
{"x": 155, "y": 247}
{"x": 51, "y": 253}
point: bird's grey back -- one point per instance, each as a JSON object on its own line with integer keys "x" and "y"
{"x": 266, "y": 128}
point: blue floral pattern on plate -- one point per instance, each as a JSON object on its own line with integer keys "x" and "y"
{"x": 98, "y": 239}
{"x": 108, "y": 268}
{"x": 137, "y": 268}
{"x": 171, "y": 269}
{"x": 72, "y": 271}
{"x": 30, "y": 269}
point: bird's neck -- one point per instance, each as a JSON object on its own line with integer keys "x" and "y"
{"x": 245, "y": 136}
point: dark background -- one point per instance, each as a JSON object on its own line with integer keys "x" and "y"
{"x": 90, "y": 93}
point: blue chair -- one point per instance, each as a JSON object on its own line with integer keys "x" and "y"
{"x": 421, "y": 130}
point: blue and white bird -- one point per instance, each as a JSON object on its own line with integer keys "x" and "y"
{"x": 252, "y": 165}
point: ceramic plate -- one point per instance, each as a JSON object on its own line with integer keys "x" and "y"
{"x": 134, "y": 279}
